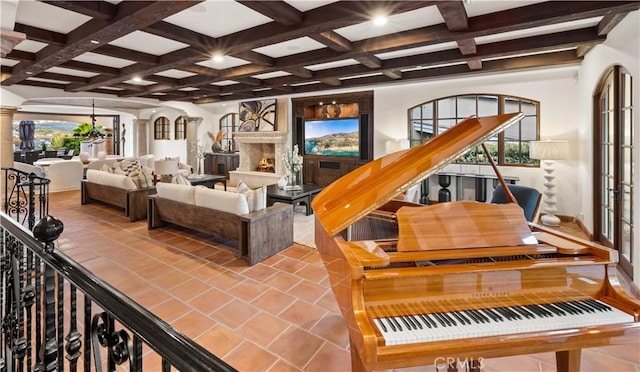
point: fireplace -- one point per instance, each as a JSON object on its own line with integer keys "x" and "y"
{"x": 254, "y": 147}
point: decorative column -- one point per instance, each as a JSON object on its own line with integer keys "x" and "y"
{"x": 141, "y": 129}
{"x": 6, "y": 139}
{"x": 193, "y": 125}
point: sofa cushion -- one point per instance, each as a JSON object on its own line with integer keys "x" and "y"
{"x": 256, "y": 198}
{"x": 224, "y": 201}
{"x": 109, "y": 179}
{"x": 174, "y": 191}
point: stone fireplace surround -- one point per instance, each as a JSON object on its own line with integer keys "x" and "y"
{"x": 253, "y": 147}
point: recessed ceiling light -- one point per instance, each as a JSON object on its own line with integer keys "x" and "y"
{"x": 29, "y": 73}
{"x": 380, "y": 20}
{"x": 94, "y": 42}
{"x": 137, "y": 79}
{"x": 217, "y": 58}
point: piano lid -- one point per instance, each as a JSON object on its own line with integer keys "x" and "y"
{"x": 368, "y": 187}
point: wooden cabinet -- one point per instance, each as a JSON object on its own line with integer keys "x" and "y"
{"x": 324, "y": 169}
{"x": 221, "y": 163}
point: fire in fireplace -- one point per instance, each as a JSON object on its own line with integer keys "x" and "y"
{"x": 267, "y": 165}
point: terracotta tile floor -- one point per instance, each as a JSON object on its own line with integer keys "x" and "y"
{"x": 279, "y": 315}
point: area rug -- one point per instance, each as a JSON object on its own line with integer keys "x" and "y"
{"x": 303, "y": 228}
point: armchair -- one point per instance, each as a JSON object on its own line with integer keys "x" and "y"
{"x": 527, "y": 197}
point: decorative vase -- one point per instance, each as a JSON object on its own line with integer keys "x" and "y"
{"x": 216, "y": 147}
{"x": 282, "y": 182}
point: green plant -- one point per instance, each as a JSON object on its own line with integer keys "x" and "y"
{"x": 57, "y": 141}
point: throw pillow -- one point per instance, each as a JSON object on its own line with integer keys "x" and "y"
{"x": 180, "y": 180}
{"x": 106, "y": 168}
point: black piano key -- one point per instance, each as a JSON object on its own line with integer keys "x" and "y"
{"x": 510, "y": 315}
{"x": 460, "y": 318}
{"x": 440, "y": 319}
{"x": 568, "y": 308}
{"x": 396, "y": 323}
{"x": 554, "y": 309}
{"x": 415, "y": 320}
{"x": 598, "y": 305}
{"x": 583, "y": 307}
{"x": 428, "y": 321}
{"x": 482, "y": 317}
{"x": 472, "y": 316}
{"x": 526, "y": 313}
{"x": 393, "y": 326}
{"x": 449, "y": 318}
{"x": 381, "y": 324}
{"x": 539, "y": 311}
{"x": 492, "y": 314}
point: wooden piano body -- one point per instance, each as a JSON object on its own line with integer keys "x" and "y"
{"x": 458, "y": 257}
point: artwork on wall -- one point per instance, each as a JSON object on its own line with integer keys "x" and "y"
{"x": 258, "y": 116}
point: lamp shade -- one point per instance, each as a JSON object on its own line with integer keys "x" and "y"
{"x": 549, "y": 150}
{"x": 394, "y": 145}
{"x": 166, "y": 166}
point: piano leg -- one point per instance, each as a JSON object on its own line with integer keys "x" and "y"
{"x": 568, "y": 360}
{"x": 356, "y": 363}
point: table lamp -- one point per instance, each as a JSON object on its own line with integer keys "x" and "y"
{"x": 165, "y": 169}
{"x": 548, "y": 151}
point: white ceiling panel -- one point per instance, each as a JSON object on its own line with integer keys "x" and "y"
{"x": 361, "y": 76}
{"x": 324, "y": 66}
{"x": 140, "y": 82}
{"x": 49, "y": 17}
{"x": 30, "y": 46}
{"x": 224, "y": 83}
{"x": 271, "y": 75}
{"x": 48, "y": 80}
{"x": 419, "y": 50}
{"x": 111, "y": 88}
{"x": 289, "y": 47}
{"x": 8, "y": 62}
{"x": 69, "y": 71}
{"x": 227, "y": 62}
{"x": 305, "y": 5}
{"x": 175, "y": 74}
{"x": 218, "y": 18}
{"x": 480, "y": 7}
{"x": 400, "y": 22}
{"x": 103, "y": 60}
{"x": 188, "y": 89}
{"x": 148, "y": 43}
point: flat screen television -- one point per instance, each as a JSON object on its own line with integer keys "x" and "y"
{"x": 332, "y": 137}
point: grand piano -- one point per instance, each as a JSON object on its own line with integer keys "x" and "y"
{"x": 456, "y": 283}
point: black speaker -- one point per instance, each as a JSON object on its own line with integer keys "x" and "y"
{"x": 298, "y": 132}
{"x": 329, "y": 165}
{"x": 364, "y": 136}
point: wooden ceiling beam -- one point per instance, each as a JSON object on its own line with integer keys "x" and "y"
{"x": 101, "y": 10}
{"x": 131, "y": 16}
{"x": 332, "y": 40}
{"x": 454, "y": 15}
{"x": 279, "y": 11}
{"x": 62, "y": 77}
{"x": 369, "y": 60}
{"x": 474, "y": 64}
{"x": 300, "y": 72}
{"x": 467, "y": 46}
{"x": 609, "y": 21}
{"x": 128, "y": 54}
{"x": 41, "y": 35}
{"x": 393, "y": 74}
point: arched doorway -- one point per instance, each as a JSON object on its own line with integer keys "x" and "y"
{"x": 613, "y": 165}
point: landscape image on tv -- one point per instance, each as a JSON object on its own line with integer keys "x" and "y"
{"x": 335, "y": 137}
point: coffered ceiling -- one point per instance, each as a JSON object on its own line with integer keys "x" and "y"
{"x": 165, "y": 49}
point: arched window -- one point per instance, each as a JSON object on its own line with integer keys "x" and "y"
{"x": 228, "y": 124}
{"x": 508, "y": 148}
{"x": 161, "y": 128}
{"x": 180, "y": 128}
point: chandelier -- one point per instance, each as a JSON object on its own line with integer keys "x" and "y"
{"x": 94, "y": 132}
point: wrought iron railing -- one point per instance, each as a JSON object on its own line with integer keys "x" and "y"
{"x": 26, "y": 196}
{"x": 57, "y": 316}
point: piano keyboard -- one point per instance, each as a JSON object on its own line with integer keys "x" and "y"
{"x": 440, "y": 326}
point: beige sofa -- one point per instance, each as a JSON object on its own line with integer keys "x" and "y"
{"x": 259, "y": 232}
{"x": 117, "y": 190}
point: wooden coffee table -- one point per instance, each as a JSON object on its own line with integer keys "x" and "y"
{"x": 294, "y": 197}
{"x": 208, "y": 180}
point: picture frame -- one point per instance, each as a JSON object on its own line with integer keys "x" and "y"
{"x": 258, "y": 116}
